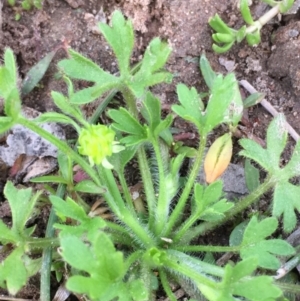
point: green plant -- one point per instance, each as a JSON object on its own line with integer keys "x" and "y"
{"x": 225, "y": 36}
{"x": 149, "y": 243}
{"x": 25, "y": 5}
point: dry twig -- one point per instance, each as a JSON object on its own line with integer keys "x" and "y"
{"x": 269, "y": 108}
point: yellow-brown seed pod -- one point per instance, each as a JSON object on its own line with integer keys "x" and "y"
{"x": 218, "y": 158}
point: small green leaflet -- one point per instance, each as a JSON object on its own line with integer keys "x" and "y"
{"x": 13, "y": 274}
{"x": 104, "y": 267}
{"x": 71, "y": 209}
{"x": 120, "y": 37}
{"x": 236, "y": 282}
{"x": 154, "y": 59}
{"x": 22, "y": 204}
{"x": 254, "y": 243}
{"x": 126, "y": 123}
{"x": 208, "y": 204}
{"x": 286, "y": 199}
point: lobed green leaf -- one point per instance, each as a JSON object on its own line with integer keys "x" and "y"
{"x": 13, "y": 281}
{"x": 80, "y": 67}
{"x": 224, "y": 105}
{"x": 191, "y": 107}
{"x": 120, "y": 37}
{"x": 125, "y": 122}
{"x": 285, "y": 202}
{"x": 21, "y": 203}
{"x": 86, "y": 226}
{"x": 254, "y": 243}
{"x": 104, "y": 267}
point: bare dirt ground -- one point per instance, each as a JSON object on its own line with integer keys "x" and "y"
{"x": 272, "y": 67}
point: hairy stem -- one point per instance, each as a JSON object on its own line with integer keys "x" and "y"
{"x": 163, "y": 204}
{"x": 41, "y": 243}
{"x": 165, "y": 283}
{"x": 126, "y": 191}
{"x": 175, "y": 216}
{"x": 143, "y": 163}
{"x": 221, "y": 249}
{"x": 116, "y": 203}
{"x": 186, "y": 270}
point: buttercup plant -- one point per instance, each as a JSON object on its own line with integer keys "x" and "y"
{"x": 225, "y": 36}
{"x": 148, "y": 243}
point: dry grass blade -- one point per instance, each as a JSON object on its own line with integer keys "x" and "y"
{"x": 269, "y": 108}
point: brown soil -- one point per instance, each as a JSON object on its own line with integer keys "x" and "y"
{"x": 272, "y": 67}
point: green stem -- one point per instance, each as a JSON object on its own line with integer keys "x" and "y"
{"x": 116, "y": 203}
{"x": 222, "y": 249}
{"x": 197, "y": 265}
{"x": 263, "y": 19}
{"x": 239, "y": 207}
{"x": 147, "y": 184}
{"x": 289, "y": 287}
{"x": 163, "y": 204}
{"x": 165, "y": 283}
{"x": 47, "y": 253}
{"x": 41, "y": 243}
{"x": 175, "y": 216}
{"x": 186, "y": 226}
{"x": 143, "y": 162}
{"x": 133, "y": 257}
{"x": 184, "y": 269}
{"x": 126, "y": 191}
{"x": 62, "y": 146}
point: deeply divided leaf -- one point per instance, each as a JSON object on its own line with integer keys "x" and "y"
{"x": 104, "y": 266}
{"x": 286, "y": 201}
{"x": 120, "y": 37}
{"x": 254, "y": 243}
{"x": 72, "y": 210}
{"x": 80, "y": 67}
{"x": 13, "y": 273}
{"x": 191, "y": 107}
{"x": 21, "y": 204}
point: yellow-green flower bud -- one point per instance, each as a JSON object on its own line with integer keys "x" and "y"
{"x": 96, "y": 142}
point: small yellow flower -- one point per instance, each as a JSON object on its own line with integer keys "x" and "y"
{"x": 97, "y": 142}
